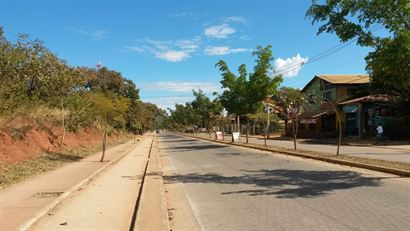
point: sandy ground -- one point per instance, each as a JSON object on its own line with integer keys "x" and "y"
{"x": 108, "y": 202}
{"x": 22, "y": 201}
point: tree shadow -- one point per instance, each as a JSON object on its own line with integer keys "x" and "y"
{"x": 283, "y": 183}
{"x": 56, "y": 156}
{"x": 189, "y": 147}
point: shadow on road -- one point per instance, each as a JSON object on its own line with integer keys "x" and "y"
{"x": 283, "y": 183}
{"x": 189, "y": 147}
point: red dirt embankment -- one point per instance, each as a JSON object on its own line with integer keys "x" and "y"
{"x": 26, "y": 142}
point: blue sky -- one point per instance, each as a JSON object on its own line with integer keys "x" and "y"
{"x": 168, "y": 47}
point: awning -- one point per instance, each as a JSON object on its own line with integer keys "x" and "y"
{"x": 314, "y": 114}
{"x": 381, "y": 98}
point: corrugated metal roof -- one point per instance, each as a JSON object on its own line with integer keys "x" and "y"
{"x": 345, "y": 79}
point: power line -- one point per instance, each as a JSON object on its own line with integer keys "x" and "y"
{"x": 327, "y": 52}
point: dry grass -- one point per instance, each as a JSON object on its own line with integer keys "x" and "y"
{"x": 11, "y": 173}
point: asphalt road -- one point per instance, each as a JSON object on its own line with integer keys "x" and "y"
{"x": 233, "y": 188}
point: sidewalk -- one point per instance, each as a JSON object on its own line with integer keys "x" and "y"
{"x": 399, "y": 145}
{"x": 395, "y": 155}
{"x": 22, "y": 201}
{"x": 108, "y": 202}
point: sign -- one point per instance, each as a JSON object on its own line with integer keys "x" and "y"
{"x": 219, "y": 136}
{"x": 235, "y": 136}
{"x": 350, "y": 108}
{"x": 308, "y": 121}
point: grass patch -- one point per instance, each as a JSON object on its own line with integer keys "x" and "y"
{"x": 11, "y": 173}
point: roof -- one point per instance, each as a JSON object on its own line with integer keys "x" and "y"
{"x": 345, "y": 79}
{"x": 341, "y": 79}
{"x": 380, "y": 98}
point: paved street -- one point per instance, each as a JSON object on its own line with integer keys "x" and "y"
{"x": 399, "y": 153}
{"x": 233, "y": 188}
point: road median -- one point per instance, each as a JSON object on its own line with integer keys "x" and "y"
{"x": 400, "y": 169}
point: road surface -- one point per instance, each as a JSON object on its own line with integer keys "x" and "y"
{"x": 234, "y": 188}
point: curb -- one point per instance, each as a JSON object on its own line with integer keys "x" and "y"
{"x": 45, "y": 210}
{"x": 334, "y": 161}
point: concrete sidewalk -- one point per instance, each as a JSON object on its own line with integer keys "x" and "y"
{"x": 108, "y": 202}
{"x": 24, "y": 200}
{"x": 396, "y": 155}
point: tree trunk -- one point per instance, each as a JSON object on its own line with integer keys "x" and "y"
{"x": 232, "y": 125}
{"x": 104, "y": 144}
{"x": 239, "y": 124}
{"x": 223, "y": 132}
{"x": 340, "y": 132}
{"x": 340, "y": 127}
{"x": 247, "y": 130}
{"x": 294, "y": 133}
{"x": 63, "y": 124}
{"x": 264, "y": 137}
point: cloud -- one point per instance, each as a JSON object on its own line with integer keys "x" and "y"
{"x": 172, "y": 51}
{"x": 244, "y": 37}
{"x": 222, "y": 50}
{"x": 93, "y": 34}
{"x": 208, "y": 87}
{"x": 166, "y": 102}
{"x": 219, "y": 31}
{"x": 180, "y": 14}
{"x": 135, "y": 48}
{"x": 173, "y": 56}
{"x": 236, "y": 19}
{"x": 289, "y": 67}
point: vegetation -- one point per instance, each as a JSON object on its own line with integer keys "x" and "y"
{"x": 243, "y": 94}
{"x": 389, "y": 62}
{"x": 86, "y": 97}
{"x": 11, "y": 173}
{"x": 289, "y": 105}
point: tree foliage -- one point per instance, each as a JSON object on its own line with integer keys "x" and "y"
{"x": 244, "y": 94}
{"x": 389, "y": 63}
{"x": 89, "y": 96}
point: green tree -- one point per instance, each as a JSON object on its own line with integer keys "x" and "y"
{"x": 109, "y": 112}
{"x": 206, "y": 110}
{"x": 289, "y": 104}
{"x": 244, "y": 94}
{"x": 389, "y": 63}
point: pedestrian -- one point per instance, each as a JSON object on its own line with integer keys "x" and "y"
{"x": 379, "y": 132}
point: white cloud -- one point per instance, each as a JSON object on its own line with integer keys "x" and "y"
{"x": 236, "y": 19}
{"x": 222, "y": 50}
{"x": 172, "y": 51}
{"x": 244, "y": 37}
{"x": 219, "y": 31}
{"x": 173, "y": 56}
{"x": 166, "y": 102}
{"x": 208, "y": 87}
{"x": 180, "y": 14}
{"x": 136, "y": 49}
{"x": 289, "y": 67}
{"x": 93, "y": 34}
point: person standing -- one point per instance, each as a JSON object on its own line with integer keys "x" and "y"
{"x": 379, "y": 132}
